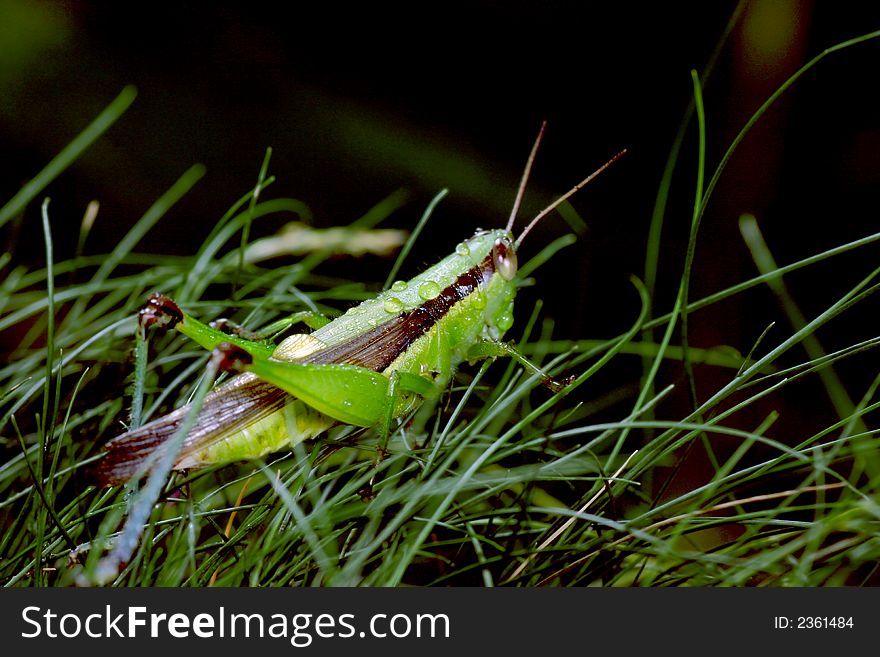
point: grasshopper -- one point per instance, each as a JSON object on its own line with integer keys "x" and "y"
{"x": 376, "y": 362}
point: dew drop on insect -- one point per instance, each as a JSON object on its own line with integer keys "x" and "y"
{"x": 462, "y": 249}
{"x": 505, "y": 322}
{"x": 372, "y": 323}
{"x": 429, "y": 290}
{"x": 398, "y": 286}
{"x": 479, "y": 299}
{"x": 393, "y": 305}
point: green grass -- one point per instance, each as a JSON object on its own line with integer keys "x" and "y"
{"x": 500, "y": 482}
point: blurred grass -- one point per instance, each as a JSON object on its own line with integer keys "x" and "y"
{"x": 501, "y": 482}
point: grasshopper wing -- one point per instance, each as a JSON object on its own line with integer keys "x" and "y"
{"x": 232, "y": 407}
{"x": 227, "y": 413}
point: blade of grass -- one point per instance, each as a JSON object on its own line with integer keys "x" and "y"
{"x": 68, "y": 154}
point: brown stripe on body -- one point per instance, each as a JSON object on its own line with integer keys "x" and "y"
{"x": 377, "y": 349}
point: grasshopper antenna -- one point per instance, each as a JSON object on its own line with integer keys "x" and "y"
{"x": 525, "y": 177}
{"x": 543, "y": 213}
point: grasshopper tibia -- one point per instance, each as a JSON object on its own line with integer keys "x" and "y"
{"x": 160, "y": 311}
{"x": 311, "y": 319}
{"x": 234, "y": 328}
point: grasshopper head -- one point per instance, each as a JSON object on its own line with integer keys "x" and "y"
{"x": 494, "y": 250}
{"x": 491, "y": 259}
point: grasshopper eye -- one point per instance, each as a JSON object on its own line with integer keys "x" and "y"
{"x": 504, "y": 257}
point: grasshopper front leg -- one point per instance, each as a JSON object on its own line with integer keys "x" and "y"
{"x": 490, "y": 349}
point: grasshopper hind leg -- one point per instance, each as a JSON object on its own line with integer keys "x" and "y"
{"x": 311, "y": 319}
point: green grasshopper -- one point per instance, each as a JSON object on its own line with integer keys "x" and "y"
{"x": 376, "y": 362}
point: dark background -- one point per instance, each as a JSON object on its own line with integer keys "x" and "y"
{"x": 360, "y": 100}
